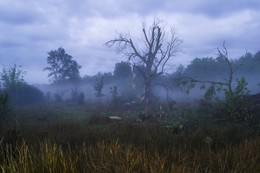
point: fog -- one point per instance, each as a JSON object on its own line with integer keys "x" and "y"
{"x": 127, "y": 93}
{"x": 126, "y": 84}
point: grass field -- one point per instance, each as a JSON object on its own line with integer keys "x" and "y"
{"x": 69, "y": 138}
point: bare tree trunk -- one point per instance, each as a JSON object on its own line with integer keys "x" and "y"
{"x": 147, "y": 91}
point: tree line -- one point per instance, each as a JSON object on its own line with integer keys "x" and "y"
{"x": 143, "y": 70}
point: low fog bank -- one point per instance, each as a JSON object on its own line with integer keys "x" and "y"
{"x": 126, "y": 85}
{"x": 120, "y": 89}
{"x": 66, "y": 91}
{"x": 127, "y": 93}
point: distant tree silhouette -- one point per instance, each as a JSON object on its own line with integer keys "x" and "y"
{"x": 62, "y": 67}
{"x": 99, "y": 84}
{"x": 122, "y": 70}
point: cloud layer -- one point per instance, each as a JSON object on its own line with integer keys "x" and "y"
{"x": 29, "y": 29}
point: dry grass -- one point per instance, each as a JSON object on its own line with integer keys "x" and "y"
{"x": 43, "y": 142}
{"x": 104, "y": 157}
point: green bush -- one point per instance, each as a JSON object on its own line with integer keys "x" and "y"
{"x": 24, "y": 94}
{"x": 19, "y": 92}
{"x": 236, "y": 104}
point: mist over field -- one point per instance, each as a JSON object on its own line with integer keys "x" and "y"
{"x": 129, "y": 86}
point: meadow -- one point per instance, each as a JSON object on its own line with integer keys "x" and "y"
{"x": 81, "y": 138}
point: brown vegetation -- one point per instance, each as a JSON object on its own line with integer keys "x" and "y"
{"x": 60, "y": 139}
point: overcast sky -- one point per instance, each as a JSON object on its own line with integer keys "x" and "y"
{"x": 31, "y": 28}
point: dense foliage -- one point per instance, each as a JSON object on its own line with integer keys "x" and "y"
{"x": 208, "y": 68}
{"x": 62, "y": 67}
{"x": 122, "y": 70}
{"x": 18, "y": 91}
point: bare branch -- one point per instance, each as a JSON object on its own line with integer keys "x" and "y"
{"x": 224, "y": 54}
{"x": 206, "y": 81}
{"x": 146, "y": 38}
{"x": 155, "y": 52}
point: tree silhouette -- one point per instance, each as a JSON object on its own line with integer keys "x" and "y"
{"x": 62, "y": 67}
{"x": 153, "y": 51}
{"x": 122, "y": 70}
{"x": 99, "y": 84}
{"x": 17, "y": 90}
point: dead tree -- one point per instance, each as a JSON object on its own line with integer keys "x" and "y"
{"x": 153, "y": 51}
{"x": 189, "y": 82}
{"x": 224, "y": 54}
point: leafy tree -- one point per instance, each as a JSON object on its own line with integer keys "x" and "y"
{"x": 202, "y": 68}
{"x": 216, "y": 69}
{"x": 107, "y": 77}
{"x": 257, "y": 56}
{"x": 235, "y": 104}
{"x": 17, "y": 89}
{"x": 189, "y": 81}
{"x": 126, "y": 80}
{"x": 122, "y": 70}
{"x": 12, "y": 77}
{"x": 154, "y": 51}
{"x": 62, "y": 67}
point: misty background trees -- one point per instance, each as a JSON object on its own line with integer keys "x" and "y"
{"x": 218, "y": 70}
{"x": 141, "y": 77}
{"x": 122, "y": 70}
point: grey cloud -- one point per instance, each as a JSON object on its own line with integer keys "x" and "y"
{"x": 18, "y": 13}
{"x": 15, "y": 18}
{"x": 212, "y": 8}
{"x": 29, "y": 29}
{"x": 222, "y": 8}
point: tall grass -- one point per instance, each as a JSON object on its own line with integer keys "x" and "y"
{"x": 57, "y": 141}
{"x": 47, "y": 156}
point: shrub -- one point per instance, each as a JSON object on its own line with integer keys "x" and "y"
{"x": 25, "y": 94}
{"x": 3, "y": 103}
{"x": 116, "y": 99}
{"x": 236, "y": 103}
{"x": 17, "y": 89}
